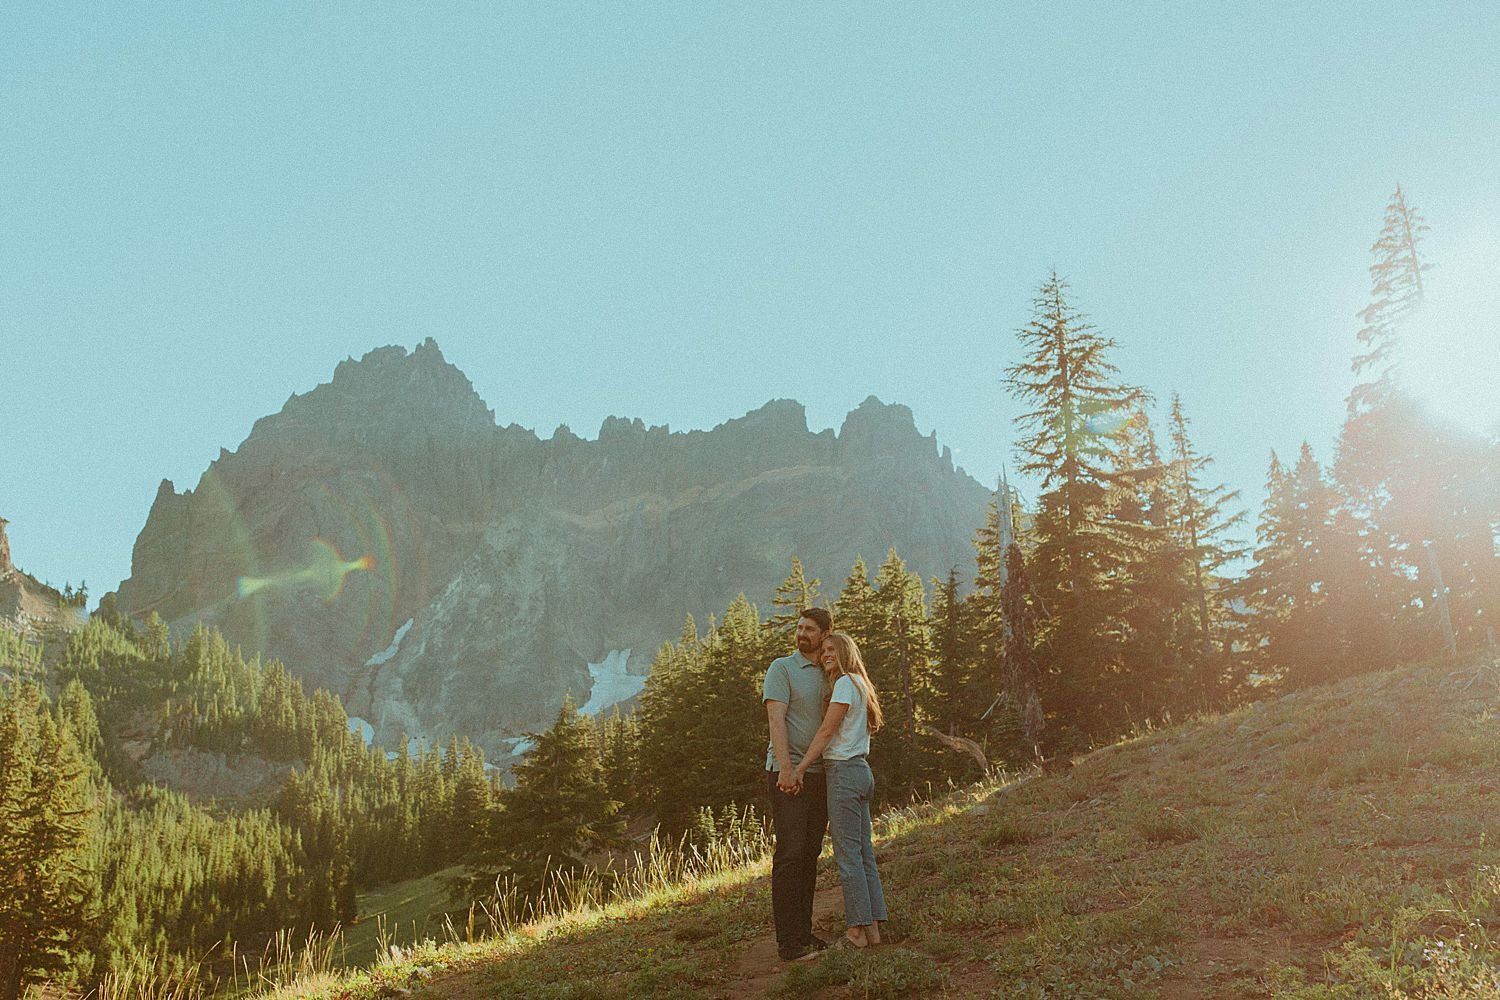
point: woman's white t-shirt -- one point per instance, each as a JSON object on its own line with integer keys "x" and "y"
{"x": 853, "y": 736}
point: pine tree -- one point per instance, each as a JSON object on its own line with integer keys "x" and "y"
{"x": 1385, "y": 443}
{"x": 1302, "y": 591}
{"x": 18, "y": 658}
{"x": 558, "y": 812}
{"x": 985, "y": 614}
{"x": 1396, "y": 290}
{"x": 889, "y": 624}
{"x": 158, "y": 639}
{"x": 1022, "y": 672}
{"x": 1202, "y": 519}
{"x": 620, "y": 739}
{"x": 1072, "y": 438}
{"x": 955, "y": 695}
{"x": 47, "y": 827}
{"x": 1152, "y": 584}
{"x": 857, "y": 610}
{"x": 794, "y": 595}
{"x": 732, "y": 722}
{"x": 472, "y": 808}
{"x": 902, "y": 652}
{"x": 669, "y": 720}
{"x": 703, "y": 724}
{"x": 1423, "y": 494}
{"x": 76, "y": 712}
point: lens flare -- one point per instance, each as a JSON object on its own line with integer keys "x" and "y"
{"x": 324, "y": 572}
{"x": 1449, "y": 349}
{"x": 363, "y": 505}
{"x": 221, "y": 526}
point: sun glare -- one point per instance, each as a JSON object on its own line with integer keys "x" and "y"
{"x": 1450, "y": 349}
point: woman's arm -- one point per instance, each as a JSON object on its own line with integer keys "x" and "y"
{"x": 832, "y": 719}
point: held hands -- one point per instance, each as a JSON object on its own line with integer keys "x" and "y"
{"x": 789, "y": 782}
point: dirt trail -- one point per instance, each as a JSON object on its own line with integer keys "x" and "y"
{"x": 760, "y": 966}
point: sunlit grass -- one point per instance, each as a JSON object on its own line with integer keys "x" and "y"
{"x": 1333, "y": 844}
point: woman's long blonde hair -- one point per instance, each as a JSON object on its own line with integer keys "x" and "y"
{"x": 846, "y": 655}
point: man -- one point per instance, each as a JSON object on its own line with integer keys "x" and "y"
{"x": 793, "y": 694}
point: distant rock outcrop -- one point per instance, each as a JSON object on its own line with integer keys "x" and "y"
{"x": 29, "y": 607}
{"x": 386, "y": 540}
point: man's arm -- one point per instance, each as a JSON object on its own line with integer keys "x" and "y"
{"x": 781, "y": 745}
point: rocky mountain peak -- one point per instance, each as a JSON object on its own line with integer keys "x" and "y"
{"x": 505, "y": 571}
{"x": 622, "y": 429}
{"x": 786, "y": 416}
{"x": 872, "y": 417}
{"x": 5, "y": 563}
{"x": 876, "y": 430}
{"x": 391, "y": 394}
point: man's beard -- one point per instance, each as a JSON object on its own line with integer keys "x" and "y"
{"x": 809, "y": 647}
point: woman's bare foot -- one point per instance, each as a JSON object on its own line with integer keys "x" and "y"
{"x": 872, "y": 933}
{"x": 857, "y": 937}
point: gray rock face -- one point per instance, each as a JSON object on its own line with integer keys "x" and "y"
{"x": 28, "y": 607}
{"x": 389, "y": 496}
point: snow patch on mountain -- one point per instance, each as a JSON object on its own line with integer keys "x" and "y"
{"x": 612, "y": 684}
{"x": 364, "y": 729}
{"x": 390, "y": 651}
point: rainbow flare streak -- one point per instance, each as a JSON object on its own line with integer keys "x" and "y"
{"x": 325, "y": 572}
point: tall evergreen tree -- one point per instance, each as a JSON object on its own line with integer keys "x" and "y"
{"x": 1151, "y": 585}
{"x": 985, "y": 606}
{"x": 703, "y": 724}
{"x": 902, "y": 651}
{"x": 472, "y": 806}
{"x": 669, "y": 716}
{"x": 557, "y": 814}
{"x": 857, "y": 610}
{"x": 1311, "y": 617}
{"x": 1203, "y": 522}
{"x": 620, "y": 742}
{"x": 76, "y": 709}
{"x": 1072, "y": 439}
{"x": 1385, "y": 444}
{"x": 889, "y": 623}
{"x": 1422, "y": 492}
{"x": 1396, "y": 290}
{"x": 795, "y": 594}
{"x": 47, "y": 825}
{"x": 955, "y": 695}
{"x": 1021, "y": 677}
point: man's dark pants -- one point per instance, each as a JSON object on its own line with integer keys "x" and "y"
{"x": 800, "y": 821}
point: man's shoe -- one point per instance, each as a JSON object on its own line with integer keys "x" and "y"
{"x": 819, "y": 944}
{"x": 799, "y": 953}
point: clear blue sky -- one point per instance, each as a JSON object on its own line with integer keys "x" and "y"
{"x": 680, "y": 211}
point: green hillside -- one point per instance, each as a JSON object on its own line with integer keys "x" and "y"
{"x": 1336, "y": 842}
{"x": 397, "y": 914}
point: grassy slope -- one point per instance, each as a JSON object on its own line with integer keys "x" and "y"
{"x": 398, "y": 914}
{"x": 1339, "y": 842}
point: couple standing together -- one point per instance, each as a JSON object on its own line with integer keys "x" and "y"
{"x": 822, "y": 709}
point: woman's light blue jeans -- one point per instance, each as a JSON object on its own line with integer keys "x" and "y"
{"x": 851, "y": 784}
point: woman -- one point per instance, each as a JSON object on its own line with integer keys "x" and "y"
{"x": 843, "y": 741}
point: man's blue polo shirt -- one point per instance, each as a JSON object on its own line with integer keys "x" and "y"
{"x": 798, "y": 682}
